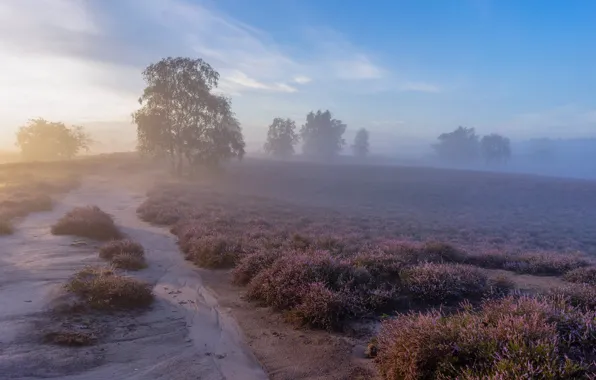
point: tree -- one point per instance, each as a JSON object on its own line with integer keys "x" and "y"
{"x": 181, "y": 119}
{"x": 281, "y": 138}
{"x": 40, "y": 139}
{"x": 360, "y": 146}
{"x": 495, "y": 148}
{"x": 459, "y": 146}
{"x": 322, "y": 135}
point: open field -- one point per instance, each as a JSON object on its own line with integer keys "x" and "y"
{"x": 322, "y": 271}
{"x": 329, "y": 245}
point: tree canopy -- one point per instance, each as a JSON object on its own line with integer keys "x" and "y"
{"x": 361, "y": 146}
{"x": 460, "y": 146}
{"x": 40, "y": 139}
{"x": 495, "y": 148}
{"x": 281, "y": 138}
{"x": 182, "y": 119}
{"x": 322, "y": 135}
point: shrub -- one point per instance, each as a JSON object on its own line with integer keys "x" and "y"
{"x": 89, "y": 222}
{"x": 323, "y": 307}
{"x": 6, "y": 228}
{"x": 101, "y": 288}
{"x": 586, "y": 275}
{"x": 128, "y": 261}
{"x": 120, "y": 247}
{"x": 432, "y": 282}
{"x": 580, "y": 295}
{"x": 211, "y": 252}
{"x": 252, "y": 264}
{"x": 443, "y": 252}
{"x": 512, "y": 338}
{"x": 70, "y": 338}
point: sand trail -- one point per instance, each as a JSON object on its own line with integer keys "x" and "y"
{"x": 185, "y": 335}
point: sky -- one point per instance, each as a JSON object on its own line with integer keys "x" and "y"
{"x": 405, "y": 70}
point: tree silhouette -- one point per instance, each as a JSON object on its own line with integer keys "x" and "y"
{"x": 281, "y": 138}
{"x": 182, "y": 120}
{"x": 40, "y": 139}
{"x": 495, "y": 148}
{"x": 360, "y": 146}
{"x": 459, "y": 146}
{"x": 322, "y": 135}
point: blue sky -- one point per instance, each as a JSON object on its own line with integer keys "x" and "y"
{"x": 406, "y": 70}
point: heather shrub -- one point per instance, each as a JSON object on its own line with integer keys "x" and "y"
{"x": 443, "y": 252}
{"x": 431, "y": 282}
{"x": 580, "y": 295}
{"x": 252, "y": 264}
{"x": 211, "y": 251}
{"x": 89, "y": 221}
{"x": 511, "y": 338}
{"x": 585, "y": 275}
{"x": 128, "y": 261}
{"x": 120, "y": 247}
{"x": 323, "y": 307}
{"x": 101, "y": 288}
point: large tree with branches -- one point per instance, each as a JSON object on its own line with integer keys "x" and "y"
{"x": 182, "y": 119}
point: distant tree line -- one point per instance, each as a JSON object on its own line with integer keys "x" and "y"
{"x": 464, "y": 146}
{"x": 321, "y": 136}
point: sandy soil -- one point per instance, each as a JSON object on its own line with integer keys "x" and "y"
{"x": 185, "y": 335}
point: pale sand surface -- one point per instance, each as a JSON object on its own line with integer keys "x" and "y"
{"x": 185, "y": 334}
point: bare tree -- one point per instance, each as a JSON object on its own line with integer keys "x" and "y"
{"x": 40, "y": 139}
{"x": 322, "y": 135}
{"x": 281, "y": 138}
{"x": 361, "y": 146}
{"x": 182, "y": 119}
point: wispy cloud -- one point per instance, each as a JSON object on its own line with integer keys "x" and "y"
{"x": 360, "y": 67}
{"x": 301, "y": 79}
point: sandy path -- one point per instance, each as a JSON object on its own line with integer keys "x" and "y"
{"x": 186, "y": 335}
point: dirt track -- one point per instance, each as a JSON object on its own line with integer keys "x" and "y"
{"x": 185, "y": 335}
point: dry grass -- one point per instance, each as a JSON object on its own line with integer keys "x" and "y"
{"x": 90, "y": 222}
{"x": 103, "y": 289}
{"x": 70, "y": 338}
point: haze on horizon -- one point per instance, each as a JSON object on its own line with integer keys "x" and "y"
{"x": 405, "y": 70}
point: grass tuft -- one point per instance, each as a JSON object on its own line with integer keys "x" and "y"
{"x": 89, "y": 221}
{"x": 102, "y": 289}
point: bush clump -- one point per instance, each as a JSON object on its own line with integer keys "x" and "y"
{"x": 511, "y": 338}
{"x": 101, "y": 288}
{"x": 251, "y": 264}
{"x": 121, "y": 247}
{"x": 430, "y": 282}
{"x": 128, "y": 261}
{"x": 89, "y": 221}
{"x": 580, "y": 295}
{"x": 208, "y": 249}
{"x": 585, "y": 275}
